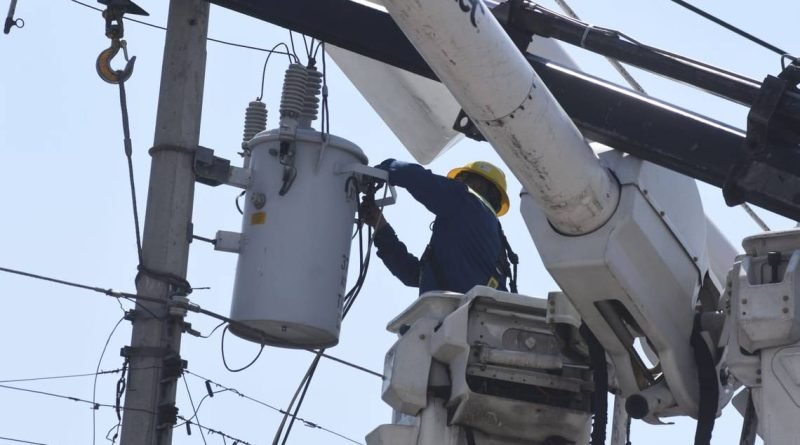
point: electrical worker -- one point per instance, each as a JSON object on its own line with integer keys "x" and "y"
{"x": 467, "y": 246}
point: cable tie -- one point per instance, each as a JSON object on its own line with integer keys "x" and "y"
{"x": 585, "y": 35}
{"x": 169, "y": 147}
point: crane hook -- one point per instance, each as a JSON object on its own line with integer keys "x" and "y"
{"x": 103, "y": 65}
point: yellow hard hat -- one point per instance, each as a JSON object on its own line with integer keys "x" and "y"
{"x": 492, "y": 174}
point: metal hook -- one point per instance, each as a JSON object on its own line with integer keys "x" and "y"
{"x": 103, "y": 65}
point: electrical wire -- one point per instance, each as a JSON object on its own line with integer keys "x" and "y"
{"x": 108, "y": 292}
{"x": 638, "y": 87}
{"x": 349, "y": 299}
{"x": 21, "y": 441}
{"x": 191, "y": 307}
{"x": 210, "y": 39}
{"x": 212, "y": 331}
{"x": 195, "y": 409}
{"x": 291, "y": 40}
{"x": 97, "y": 371}
{"x": 105, "y": 405}
{"x": 305, "y": 422}
{"x": 264, "y": 70}
{"x": 615, "y": 63}
{"x": 59, "y": 377}
{"x": 71, "y": 398}
{"x": 730, "y": 27}
{"x": 225, "y": 362}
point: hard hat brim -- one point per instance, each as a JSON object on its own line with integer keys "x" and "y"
{"x": 505, "y": 204}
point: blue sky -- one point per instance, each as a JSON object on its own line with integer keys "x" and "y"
{"x": 66, "y": 212}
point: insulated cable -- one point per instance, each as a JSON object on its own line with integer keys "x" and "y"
{"x": 266, "y": 61}
{"x": 194, "y": 409}
{"x": 730, "y": 27}
{"x": 21, "y": 441}
{"x": 225, "y": 362}
{"x": 615, "y": 63}
{"x": 97, "y": 372}
{"x": 191, "y": 307}
{"x": 105, "y": 405}
{"x": 349, "y": 300}
{"x": 638, "y": 87}
{"x": 59, "y": 377}
{"x": 210, "y": 39}
{"x": 224, "y": 388}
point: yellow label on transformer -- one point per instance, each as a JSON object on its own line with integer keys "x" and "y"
{"x": 493, "y": 283}
{"x": 258, "y": 218}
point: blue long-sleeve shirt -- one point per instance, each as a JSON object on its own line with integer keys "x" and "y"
{"x": 465, "y": 242}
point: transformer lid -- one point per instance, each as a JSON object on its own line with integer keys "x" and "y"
{"x": 311, "y": 136}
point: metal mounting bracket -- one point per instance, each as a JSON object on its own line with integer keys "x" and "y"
{"x": 213, "y": 171}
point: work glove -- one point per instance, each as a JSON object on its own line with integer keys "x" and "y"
{"x": 370, "y": 214}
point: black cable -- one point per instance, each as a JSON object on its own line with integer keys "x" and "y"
{"x": 264, "y": 73}
{"x": 291, "y": 40}
{"x": 301, "y": 391}
{"x": 73, "y": 399}
{"x": 97, "y": 371}
{"x": 192, "y": 307}
{"x": 21, "y": 441}
{"x": 199, "y": 405}
{"x": 308, "y": 50}
{"x": 349, "y": 299}
{"x": 266, "y": 337}
{"x": 730, "y": 27}
{"x": 195, "y": 409}
{"x": 58, "y": 377}
{"x": 210, "y": 39}
{"x": 267, "y": 405}
{"x": 105, "y": 405}
{"x": 212, "y": 331}
{"x": 120, "y": 391}
{"x": 225, "y": 362}
{"x": 108, "y": 292}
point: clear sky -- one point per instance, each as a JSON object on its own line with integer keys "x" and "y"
{"x": 66, "y": 213}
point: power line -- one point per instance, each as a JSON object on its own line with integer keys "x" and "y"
{"x": 730, "y": 27}
{"x": 638, "y": 87}
{"x": 224, "y": 388}
{"x": 194, "y": 409}
{"x": 109, "y": 292}
{"x": 191, "y": 307}
{"x": 96, "y": 405}
{"x": 97, "y": 370}
{"x": 21, "y": 441}
{"x": 615, "y": 63}
{"x": 58, "y": 377}
{"x": 210, "y": 39}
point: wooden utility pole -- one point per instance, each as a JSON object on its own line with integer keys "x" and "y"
{"x": 154, "y": 354}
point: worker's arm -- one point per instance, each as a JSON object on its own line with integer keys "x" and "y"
{"x": 438, "y": 194}
{"x": 396, "y": 257}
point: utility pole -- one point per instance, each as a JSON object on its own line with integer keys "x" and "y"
{"x": 154, "y": 360}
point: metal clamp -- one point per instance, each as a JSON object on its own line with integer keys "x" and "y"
{"x": 372, "y": 172}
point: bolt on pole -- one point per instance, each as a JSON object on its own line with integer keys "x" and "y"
{"x": 154, "y": 358}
